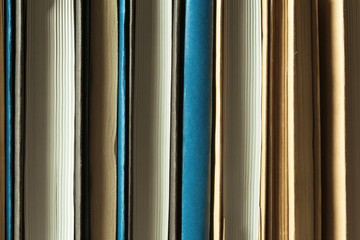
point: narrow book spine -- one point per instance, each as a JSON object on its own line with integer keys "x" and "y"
{"x": 19, "y": 125}
{"x": 2, "y": 122}
{"x": 196, "y": 119}
{"x": 81, "y": 193}
{"x": 9, "y": 118}
{"x": 177, "y": 76}
{"x": 217, "y": 208}
{"x": 129, "y": 105}
{"x": 121, "y": 125}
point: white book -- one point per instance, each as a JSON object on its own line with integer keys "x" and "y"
{"x": 241, "y": 118}
{"x": 151, "y": 119}
{"x": 50, "y": 120}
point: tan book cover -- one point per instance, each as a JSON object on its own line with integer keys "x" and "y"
{"x": 310, "y": 152}
{"x": 290, "y": 116}
{"x": 103, "y": 118}
{"x": 340, "y": 127}
{"x": 332, "y": 74}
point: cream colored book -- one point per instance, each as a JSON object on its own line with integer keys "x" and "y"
{"x": 151, "y": 119}
{"x": 241, "y": 118}
{"x": 49, "y": 119}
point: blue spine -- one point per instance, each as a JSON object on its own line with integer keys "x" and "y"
{"x": 196, "y": 117}
{"x": 8, "y": 120}
{"x": 121, "y": 126}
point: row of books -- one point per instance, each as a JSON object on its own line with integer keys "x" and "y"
{"x": 171, "y": 119}
{"x": 109, "y": 121}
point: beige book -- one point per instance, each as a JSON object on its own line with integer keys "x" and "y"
{"x": 340, "y": 127}
{"x": 291, "y": 144}
{"x": 310, "y": 181}
{"x": 238, "y": 120}
{"x": 103, "y": 117}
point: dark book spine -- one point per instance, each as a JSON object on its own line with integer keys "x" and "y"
{"x": 129, "y": 91}
{"x": 177, "y": 78}
{"x": 81, "y": 192}
{"x": 19, "y": 118}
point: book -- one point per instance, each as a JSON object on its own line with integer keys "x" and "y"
{"x": 129, "y": 171}
{"x": 49, "y": 211}
{"x": 197, "y": 114}
{"x": 177, "y": 76}
{"x": 240, "y": 119}
{"x": 352, "y": 115}
{"x": 2, "y": 120}
{"x": 8, "y": 118}
{"x": 150, "y": 114}
{"x": 103, "y": 113}
{"x": 339, "y": 95}
{"x": 309, "y": 176}
{"x": 122, "y": 124}
{"x": 19, "y": 123}
{"x": 82, "y": 83}
{"x": 292, "y": 199}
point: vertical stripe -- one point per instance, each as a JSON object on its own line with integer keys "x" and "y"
{"x": 196, "y": 118}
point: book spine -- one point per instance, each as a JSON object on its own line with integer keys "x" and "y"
{"x": 103, "y": 99}
{"x": 129, "y": 108}
{"x": 81, "y": 193}
{"x": 197, "y": 118}
{"x": 19, "y": 123}
{"x": 2, "y": 121}
{"x": 177, "y": 75}
{"x": 9, "y": 118}
{"x": 121, "y": 124}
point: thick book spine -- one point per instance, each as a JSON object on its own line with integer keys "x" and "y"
{"x": 177, "y": 76}
{"x": 103, "y": 98}
{"x": 9, "y": 118}
{"x": 121, "y": 137}
{"x": 197, "y": 119}
{"x": 81, "y": 193}
{"x": 19, "y": 123}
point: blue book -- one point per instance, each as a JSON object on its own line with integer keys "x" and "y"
{"x": 196, "y": 118}
{"x": 121, "y": 126}
{"x": 8, "y": 118}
